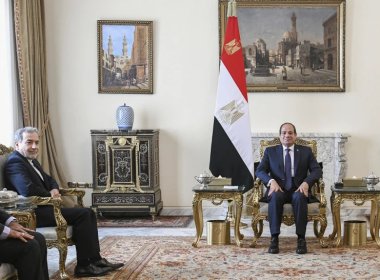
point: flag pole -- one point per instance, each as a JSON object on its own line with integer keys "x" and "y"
{"x": 231, "y": 153}
{"x": 231, "y": 12}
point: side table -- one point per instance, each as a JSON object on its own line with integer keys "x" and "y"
{"x": 217, "y": 194}
{"x": 359, "y": 195}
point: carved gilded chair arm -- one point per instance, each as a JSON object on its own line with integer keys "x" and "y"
{"x": 322, "y": 195}
{"x": 79, "y": 194}
{"x": 72, "y": 192}
{"x": 56, "y": 203}
{"x": 26, "y": 217}
{"x": 257, "y": 191}
{"x": 39, "y": 200}
{"x": 82, "y": 185}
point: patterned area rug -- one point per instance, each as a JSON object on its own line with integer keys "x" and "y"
{"x": 175, "y": 258}
{"x": 160, "y": 221}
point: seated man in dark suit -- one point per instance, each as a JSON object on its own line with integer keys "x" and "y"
{"x": 23, "y": 248}
{"x": 288, "y": 171}
{"x": 24, "y": 174}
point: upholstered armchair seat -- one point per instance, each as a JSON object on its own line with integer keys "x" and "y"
{"x": 7, "y": 271}
{"x": 51, "y": 234}
{"x": 316, "y": 210}
{"x": 312, "y": 208}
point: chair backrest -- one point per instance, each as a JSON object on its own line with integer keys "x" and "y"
{"x": 299, "y": 141}
{"x": 4, "y": 153}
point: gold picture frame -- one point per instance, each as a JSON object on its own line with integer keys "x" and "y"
{"x": 291, "y": 45}
{"x": 125, "y": 56}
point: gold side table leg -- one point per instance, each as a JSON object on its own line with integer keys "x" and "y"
{"x": 333, "y": 234}
{"x": 231, "y": 217}
{"x": 337, "y": 223}
{"x": 198, "y": 218}
{"x": 230, "y": 213}
{"x": 238, "y": 208}
{"x": 377, "y": 222}
{"x": 372, "y": 220}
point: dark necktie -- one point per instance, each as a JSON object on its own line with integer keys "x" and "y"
{"x": 36, "y": 169}
{"x": 288, "y": 171}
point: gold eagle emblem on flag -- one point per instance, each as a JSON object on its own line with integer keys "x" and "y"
{"x": 231, "y": 112}
{"x": 232, "y": 46}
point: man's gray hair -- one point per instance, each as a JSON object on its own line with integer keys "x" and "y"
{"x": 19, "y": 132}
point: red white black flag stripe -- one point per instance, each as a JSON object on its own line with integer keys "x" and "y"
{"x": 231, "y": 148}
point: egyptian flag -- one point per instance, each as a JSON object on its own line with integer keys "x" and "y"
{"x": 231, "y": 148}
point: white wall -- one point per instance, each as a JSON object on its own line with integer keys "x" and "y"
{"x": 8, "y": 114}
{"x": 185, "y": 78}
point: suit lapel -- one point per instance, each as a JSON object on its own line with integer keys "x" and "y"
{"x": 30, "y": 167}
{"x": 297, "y": 156}
{"x": 280, "y": 155}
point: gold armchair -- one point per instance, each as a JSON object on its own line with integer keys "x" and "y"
{"x": 60, "y": 236}
{"x": 316, "y": 210}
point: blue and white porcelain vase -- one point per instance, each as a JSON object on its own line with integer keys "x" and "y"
{"x": 124, "y": 117}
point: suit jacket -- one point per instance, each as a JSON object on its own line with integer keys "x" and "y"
{"x": 4, "y": 216}
{"x": 20, "y": 176}
{"x": 306, "y": 167}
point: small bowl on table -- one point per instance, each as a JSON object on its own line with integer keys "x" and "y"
{"x": 204, "y": 180}
{"x": 371, "y": 181}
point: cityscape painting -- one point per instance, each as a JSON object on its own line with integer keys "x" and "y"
{"x": 125, "y": 56}
{"x": 291, "y": 46}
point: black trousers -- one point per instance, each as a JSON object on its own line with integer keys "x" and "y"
{"x": 85, "y": 230}
{"x": 276, "y": 208}
{"x": 29, "y": 258}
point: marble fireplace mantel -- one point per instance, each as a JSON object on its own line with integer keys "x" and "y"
{"x": 331, "y": 152}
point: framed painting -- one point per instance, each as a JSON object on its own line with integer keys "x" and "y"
{"x": 291, "y": 45}
{"x": 125, "y": 56}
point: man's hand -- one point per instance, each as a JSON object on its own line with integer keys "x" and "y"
{"x": 19, "y": 232}
{"x": 55, "y": 193}
{"x": 304, "y": 188}
{"x": 274, "y": 187}
{"x": 16, "y": 226}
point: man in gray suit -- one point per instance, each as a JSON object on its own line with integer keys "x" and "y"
{"x": 288, "y": 171}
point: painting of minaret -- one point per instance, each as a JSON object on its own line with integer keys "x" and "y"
{"x": 125, "y": 54}
{"x": 303, "y": 40}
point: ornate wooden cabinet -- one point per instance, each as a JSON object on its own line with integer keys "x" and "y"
{"x": 125, "y": 168}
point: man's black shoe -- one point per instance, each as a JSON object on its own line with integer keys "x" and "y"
{"x": 301, "y": 246}
{"x": 90, "y": 270}
{"x": 273, "y": 247}
{"x": 104, "y": 263}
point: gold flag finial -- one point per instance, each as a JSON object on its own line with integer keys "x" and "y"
{"x": 231, "y": 10}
